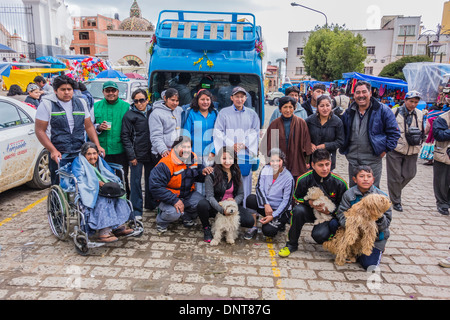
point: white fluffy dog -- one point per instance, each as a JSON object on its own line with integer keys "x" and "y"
{"x": 226, "y": 224}
{"x": 319, "y": 198}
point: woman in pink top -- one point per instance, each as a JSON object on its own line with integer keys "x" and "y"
{"x": 225, "y": 183}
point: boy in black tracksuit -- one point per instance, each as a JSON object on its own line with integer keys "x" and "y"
{"x": 332, "y": 185}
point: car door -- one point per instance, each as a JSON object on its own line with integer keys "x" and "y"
{"x": 18, "y": 145}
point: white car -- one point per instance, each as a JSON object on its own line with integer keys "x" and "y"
{"x": 22, "y": 157}
{"x": 126, "y": 87}
{"x": 273, "y": 97}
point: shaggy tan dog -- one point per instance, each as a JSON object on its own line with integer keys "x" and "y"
{"x": 360, "y": 232}
{"x": 226, "y": 224}
{"x": 319, "y": 198}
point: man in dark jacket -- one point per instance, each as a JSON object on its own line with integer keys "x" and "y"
{"x": 371, "y": 131}
{"x": 441, "y": 165}
{"x": 172, "y": 185}
{"x": 136, "y": 142}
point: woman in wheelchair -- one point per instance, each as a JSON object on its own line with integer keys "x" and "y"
{"x": 102, "y": 195}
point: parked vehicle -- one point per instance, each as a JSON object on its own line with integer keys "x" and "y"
{"x": 126, "y": 87}
{"x": 273, "y": 97}
{"x": 23, "y": 160}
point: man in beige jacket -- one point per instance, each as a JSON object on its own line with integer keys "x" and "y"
{"x": 401, "y": 164}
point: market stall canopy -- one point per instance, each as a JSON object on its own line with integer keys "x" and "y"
{"x": 428, "y": 78}
{"x": 72, "y": 57}
{"x": 25, "y": 76}
{"x": 110, "y": 73}
{"x": 377, "y": 81}
{"x": 4, "y": 48}
{"x": 134, "y": 76}
{"x": 54, "y": 62}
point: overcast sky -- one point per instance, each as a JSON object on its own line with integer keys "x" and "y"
{"x": 277, "y": 17}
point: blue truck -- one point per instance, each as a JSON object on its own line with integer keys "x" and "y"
{"x": 193, "y": 50}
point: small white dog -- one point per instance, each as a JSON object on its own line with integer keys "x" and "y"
{"x": 226, "y": 224}
{"x": 319, "y": 198}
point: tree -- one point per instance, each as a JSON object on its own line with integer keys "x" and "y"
{"x": 332, "y": 51}
{"x": 395, "y": 69}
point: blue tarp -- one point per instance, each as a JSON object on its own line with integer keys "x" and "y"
{"x": 5, "y": 69}
{"x": 55, "y": 63}
{"x": 377, "y": 81}
{"x": 72, "y": 57}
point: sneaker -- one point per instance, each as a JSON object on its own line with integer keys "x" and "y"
{"x": 161, "y": 229}
{"x": 250, "y": 233}
{"x": 207, "y": 234}
{"x": 286, "y": 252}
{"x": 445, "y": 263}
{"x": 188, "y": 223}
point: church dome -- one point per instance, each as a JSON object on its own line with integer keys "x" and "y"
{"x": 135, "y": 22}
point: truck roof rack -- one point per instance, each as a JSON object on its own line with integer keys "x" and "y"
{"x": 225, "y": 32}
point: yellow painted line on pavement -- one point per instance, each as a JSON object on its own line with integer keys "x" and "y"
{"x": 22, "y": 211}
{"x": 281, "y": 293}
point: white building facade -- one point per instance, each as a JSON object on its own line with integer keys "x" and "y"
{"x": 397, "y": 37}
{"x": 52, "y": 27}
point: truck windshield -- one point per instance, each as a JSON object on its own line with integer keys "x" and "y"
{"x": 96, "y": 89}
{"x": 220, "y": 85}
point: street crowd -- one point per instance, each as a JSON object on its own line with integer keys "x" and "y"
{"x": 194, "y": 157}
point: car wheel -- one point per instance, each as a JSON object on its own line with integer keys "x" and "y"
{"x": 41, "y": 174}
{"x": 276, "y": 101}
{"x": 271, "y": 102}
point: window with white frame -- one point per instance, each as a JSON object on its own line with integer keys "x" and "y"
{"x": 421, "y": 49}
{"x": 370, "y": 50}
{"x": 300, "y": 51}
{"x": 407, "y": 30}
{"x": 368, "y": 70}
{"x": 405, "y": 50}
{"x": 299, "y": 71}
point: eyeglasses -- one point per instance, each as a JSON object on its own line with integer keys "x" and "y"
{"x": 139, "y": 100}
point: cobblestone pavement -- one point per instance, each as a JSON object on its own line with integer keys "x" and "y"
{"x": 179, "y": 265}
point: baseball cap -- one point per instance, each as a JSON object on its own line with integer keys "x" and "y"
{"x": 237, "y": 90}
{"x": 412, "y": 94}
{"x": 110, "y": 84}
{"x": 32, "y": 87}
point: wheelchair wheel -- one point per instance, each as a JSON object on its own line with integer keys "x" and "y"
{"x": 58, "y": 212}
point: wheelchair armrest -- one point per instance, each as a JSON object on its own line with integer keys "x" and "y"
{"x": 115, "y": 166}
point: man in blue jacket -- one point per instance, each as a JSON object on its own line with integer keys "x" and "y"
{"x": 371, "y": 131}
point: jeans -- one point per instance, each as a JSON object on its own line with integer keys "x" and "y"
{"x": 136, "y": 185}
{"x": 169, "y": 214}
{"x": 272, "y": 228}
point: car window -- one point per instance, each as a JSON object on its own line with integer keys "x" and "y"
{"x": 25, "y": 118}
{"x": 9, "y": 115}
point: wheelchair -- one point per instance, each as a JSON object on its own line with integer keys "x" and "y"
{"x": 65, "y": 209}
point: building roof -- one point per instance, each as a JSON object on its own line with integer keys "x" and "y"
{"x": 135, "y": 22}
